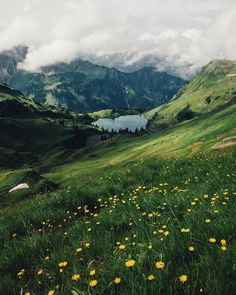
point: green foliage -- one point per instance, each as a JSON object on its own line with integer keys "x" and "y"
{"x": 82, "y": 86}
{"x": 210, "y": 90}
{"x": 140, "y": 204}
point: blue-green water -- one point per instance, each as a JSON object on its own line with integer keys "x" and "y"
{"x": 132, "y": 122}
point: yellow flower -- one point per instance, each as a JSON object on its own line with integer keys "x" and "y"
{"x": 122, "y": 247}
{"x": 78, "y": 250}
{"x": 40, "y": 272}
{"x": 166, "y": 233}
{"x": 46, "y": 258}
{"x": 92, "y": 272}
{"x": 223, "y": 243}
{"x": 191, "y": 249}
{"x": 93, "y": 283}
{"x": 212, "y": 240}
{"x": 160, "y": 265}
{"x": 21, "y": 273}
{"x": 130, "y": 263}
{"x": 151, "y": 277}
{"x": 75, "y": 277}
{"x": 51, "y": 292}
{"x": 87, "y": 245}
{"x": 207, "y": 220}
{"x": 27, "y": 293}
{"x": 149, "y": 247}
{"x": 223, "y": 248}
{"x": 117, "y": 280}
{"x": 183, "y": 278}
{"x": 185, "y": 230}
{"x": 63, "y": 264}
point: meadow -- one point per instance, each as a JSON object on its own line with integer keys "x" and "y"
{"x": 152, "y": 226}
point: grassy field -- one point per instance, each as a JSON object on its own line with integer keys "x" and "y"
{"x": 151, "y": 215}
{"x": 122, "y": 223}
{"x": 141, "y": 214}
{"x": 212, "y": 88}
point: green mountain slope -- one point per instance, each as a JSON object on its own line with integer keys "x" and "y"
{"x": 164, "y": 200}
{"x": 83, "y": 86}
{"x": 134, "y": 214}
{"x": 29, "y": 130}
{"x": 213, "y": 87}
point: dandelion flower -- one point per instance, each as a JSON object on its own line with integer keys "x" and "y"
{"x": 183, "y": 278}
{"x": 93, "y": 283}
{"x": 223, "y": 248}
{"x": 185, "y": 230}
{"x": 63, "y": 264}
{"x": 122, "y": 247}
{"x": 75, "y": 277}
{"x": 78, "y": 250}
{"x": 40, "y": 272}
{"x": 117, "y": 280}
{"x": 151, "y": 277}
{"x": 130, "y": 263}
{"x": 51, "y": 292}
{"x": 223, "y": 243}
{"x": 92, "y": 272}
{"x": 212, "y": 240}
{"x": 207, "y": 220}
{"x": 160, "y": 265}
{"x": 191, "y": 249}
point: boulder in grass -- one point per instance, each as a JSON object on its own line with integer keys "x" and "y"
{"x": 18, "y": 187}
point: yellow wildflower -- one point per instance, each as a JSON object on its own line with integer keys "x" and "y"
{"x": 122, "y": 247}
{"x": 117, "y": 280}
{"x": 223, "y": 243}
{"x": 63, "y": 264}
{"x": 160, "y": 265}
{"x": 151, "y": 277}
{"x": 51, "y": 292}
{"x": 93, "y": 283}
{"x": 130, "y": 263}
{"x": 75, "y": 277}
{"x": 183, "y": 278}
{"x": 191, "y": 249}
{"x": 92, "y": 272}
{"x": 40, "y": 272}
{"x": 212, "y": 240}
{"x": 185, "y": 230}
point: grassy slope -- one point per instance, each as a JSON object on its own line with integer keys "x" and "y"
{"x": 142, "y": 197}
{"x": 177, "y": 141}
{"x": 141, "y": 204}
{"x": 215, "y": 84}
{"x": 138, "y": 193}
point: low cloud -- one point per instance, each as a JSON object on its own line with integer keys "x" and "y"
{"x": 184, "y": 32}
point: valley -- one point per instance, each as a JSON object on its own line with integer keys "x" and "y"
{"x": 149, "y": 212}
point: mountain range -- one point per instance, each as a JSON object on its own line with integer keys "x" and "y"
{"x": 83, "y": 86}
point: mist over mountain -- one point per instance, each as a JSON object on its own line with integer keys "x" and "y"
{"x": 83, "y": 86}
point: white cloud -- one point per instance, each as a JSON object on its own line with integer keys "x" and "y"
{"x": 184, "y": 31}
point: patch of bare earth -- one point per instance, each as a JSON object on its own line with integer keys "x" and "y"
{"x": 229, "y": 141}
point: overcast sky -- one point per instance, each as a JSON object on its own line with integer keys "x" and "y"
{"x": 185, "y": 31}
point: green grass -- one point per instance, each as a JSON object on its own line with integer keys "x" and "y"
{"x": 134, "y": 191}
{"x": 212, "y": 88}
{"x": 137, "y": 201}
{"x": 127, "y": 188}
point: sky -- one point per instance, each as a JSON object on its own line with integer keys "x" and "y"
{"x": 183, "y": 31}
